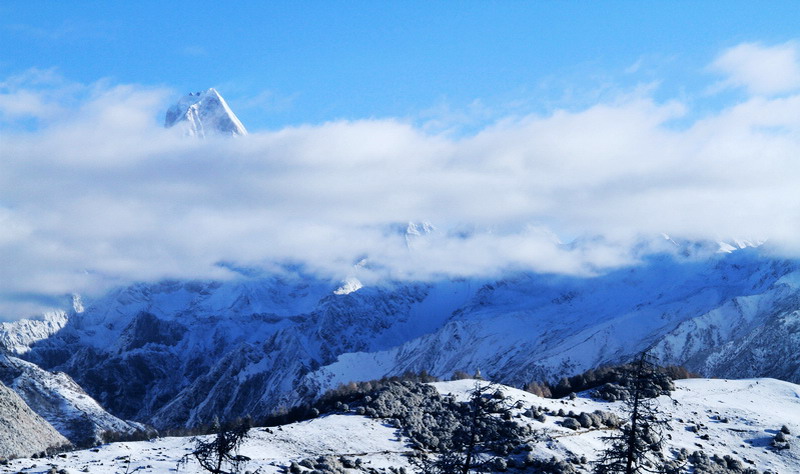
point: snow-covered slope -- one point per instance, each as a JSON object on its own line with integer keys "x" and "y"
{"x": 372, "y": 441}
{"x": 181, "y": 353}
{"x": 534, "y": 327}
{"x": 184, "y": 352}
{"x": 205, "y": 113}
{"x": 18, "y": 336}
{"x": 59, "y": 400}
{"x": 736, "y": 418}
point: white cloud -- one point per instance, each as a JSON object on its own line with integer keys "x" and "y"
{"x": 762, "y": 70}
{"x": 105, "y": 196}
{"x": 22, "y": 105}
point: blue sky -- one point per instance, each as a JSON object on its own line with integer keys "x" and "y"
{"x": 554, "y": 137}
{"x": 288, "y": 63}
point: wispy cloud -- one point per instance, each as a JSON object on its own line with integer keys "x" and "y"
{"x": 104, "y": 196}
{"x": 761, "y": 69}
{"x": 267, "y": 100}
{"x": 40, "y": 95}
{"x": 65, "y": 30}
{"x": 195, "y": 51}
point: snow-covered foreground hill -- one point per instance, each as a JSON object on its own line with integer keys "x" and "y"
{"x": 349, "y": 435}
{"x": 736, "y": 418}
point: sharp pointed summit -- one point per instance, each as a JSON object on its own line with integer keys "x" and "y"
{"x": 205, "y": 113}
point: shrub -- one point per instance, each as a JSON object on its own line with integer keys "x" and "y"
{"x": 571, "y": 423}
{"x": 614, "y": 374}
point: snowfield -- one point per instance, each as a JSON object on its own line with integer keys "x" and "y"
{"x": 738, "y": 418}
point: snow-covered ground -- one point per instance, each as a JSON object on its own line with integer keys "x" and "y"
{"x": 733, "y": 417}
{"x": 356, "y": 437}
{"x": 738, "y": 417}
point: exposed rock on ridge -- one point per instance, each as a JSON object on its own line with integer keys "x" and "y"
{"x": 18, "y": 336}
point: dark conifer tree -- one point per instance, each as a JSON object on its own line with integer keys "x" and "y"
{"x": 637, "y": 446}
{"x": 479, "y": 441}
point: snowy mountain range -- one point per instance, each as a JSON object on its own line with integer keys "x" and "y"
{"x": 179, "y": 353}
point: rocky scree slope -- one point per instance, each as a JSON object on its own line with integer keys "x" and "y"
{"x": 22, "y": 431}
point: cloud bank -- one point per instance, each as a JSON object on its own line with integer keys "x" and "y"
{"x": 94, "y": 193}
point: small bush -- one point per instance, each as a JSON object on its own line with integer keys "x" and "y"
{"x": 571, "y": 423}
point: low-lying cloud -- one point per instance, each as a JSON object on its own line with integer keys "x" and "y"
{"x": 101, "y": 195}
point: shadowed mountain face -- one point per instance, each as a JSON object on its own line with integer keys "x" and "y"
{"x": 180, "y": 353}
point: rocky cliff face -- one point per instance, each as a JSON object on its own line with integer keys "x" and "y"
{"x": 180, "y": 353}
{"x": 22, "y": 431}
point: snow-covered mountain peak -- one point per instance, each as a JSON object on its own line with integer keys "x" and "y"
{"x": 738, "y": 244}
{"x": 77, "y": 303}
{"x": 204, "y": 113}
{"x": 416, "y": 231}
{"x": 349, "y": 285}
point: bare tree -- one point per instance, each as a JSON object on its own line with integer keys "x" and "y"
{"x": 219, "y": 455}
